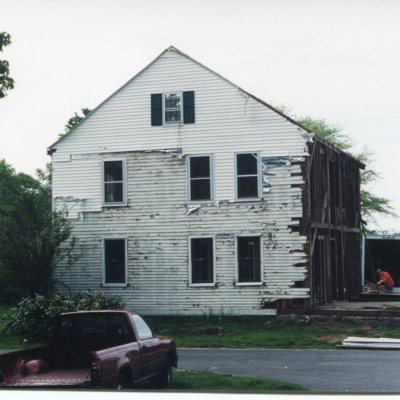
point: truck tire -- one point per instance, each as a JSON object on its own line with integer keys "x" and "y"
{"x": 124, "y": 380}
{"x": 164, "y": 379}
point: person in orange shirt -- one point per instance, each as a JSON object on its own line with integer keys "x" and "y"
{"x": 385, "y": 279}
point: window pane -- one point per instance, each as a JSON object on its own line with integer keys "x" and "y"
{"x": 143, "y": 330}
{"x": 249, "y": 259}
{"x": 202, "y": 260}
{"x": 173, "y": 116}
{"x": 246, "y": 164}
{"x": 114, "y": 257}
{"x": 112, "y": 171}
{"x": 173, "y": 100}
{"x": 200, "y": 167}
{"x": 113, "y": 192}
{"x": 247, "y": 186}
{"x": 200, "y": 189}
{"x": 201, "y": 272}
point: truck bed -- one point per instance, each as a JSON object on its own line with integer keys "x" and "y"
{"x": 101, "y": 349}
{"x": 56, "y": 377}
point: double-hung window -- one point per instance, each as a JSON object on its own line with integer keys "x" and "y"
{"x": 200, "y": 178}
{"x": 201, "y": 252}
{"x": 172, "y": 108}
{"x": 247, "y": 176}
{"x": 114, "y": 261}
{"x": 249, "y": 259}
{"x": 114, "y": 182}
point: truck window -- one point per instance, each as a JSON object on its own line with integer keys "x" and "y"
{"x": 68, "y": 329}
{"x": 94, "y": 328}
{"x": 143, "y": 330}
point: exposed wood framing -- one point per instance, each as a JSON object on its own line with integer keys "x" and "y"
{"x": 333, "y": 223}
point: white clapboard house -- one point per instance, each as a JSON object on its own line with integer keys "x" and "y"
{"x": 187, "y": 196}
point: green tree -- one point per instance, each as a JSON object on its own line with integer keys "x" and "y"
{"x": 6, "y": 82}
{"x": 371, "y": 205}
{"x": 32, "y": 235}
{"x": 74, "y": 120}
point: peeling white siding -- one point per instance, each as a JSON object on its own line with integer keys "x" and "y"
{"x": 156, "y": 220}
{"x": 226, "y": 121}
{"x": 157, "y": 226}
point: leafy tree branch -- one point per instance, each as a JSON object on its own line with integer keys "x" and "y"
{"x": 6, "y": 82}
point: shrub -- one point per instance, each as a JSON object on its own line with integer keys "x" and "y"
{"x": 34, "y": 317}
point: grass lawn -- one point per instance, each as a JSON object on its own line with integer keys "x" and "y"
{"x": 210, "y": 382}
{"x": 247, "y": 332}
{"x": 204, "y": 381}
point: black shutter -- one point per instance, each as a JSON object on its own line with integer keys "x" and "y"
{"x": 188, "y": 107}
{"x": 156, "y": 109}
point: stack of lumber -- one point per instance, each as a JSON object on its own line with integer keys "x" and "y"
{"x": 371, "y": 343}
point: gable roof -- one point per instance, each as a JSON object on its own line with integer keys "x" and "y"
{"x": 172, "y": 48}
{"x": 51, "y": 148}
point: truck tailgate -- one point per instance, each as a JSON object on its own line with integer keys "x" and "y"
{"x": 57, "y": 377}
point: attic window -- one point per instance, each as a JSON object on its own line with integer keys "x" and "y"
{"x": 172, "y": 108}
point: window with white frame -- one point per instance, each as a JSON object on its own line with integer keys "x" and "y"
{"x": 114, "y": 253}
{"x": 200, "y": 178}
{"x": 172, "y": 108}
{"x": 247, "y": 176}
{"x": 114, "y": 177}
{"x": 202, "y": 260}
{"x": 249, "y": 259}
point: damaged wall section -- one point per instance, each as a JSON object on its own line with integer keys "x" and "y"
{"x": 334, "y": 223}
{"x": 158, "y": 222}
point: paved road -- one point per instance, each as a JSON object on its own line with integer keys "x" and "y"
{"x": 319, "y": 370}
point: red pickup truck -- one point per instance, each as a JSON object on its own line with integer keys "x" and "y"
{"x": 104, "y": 349}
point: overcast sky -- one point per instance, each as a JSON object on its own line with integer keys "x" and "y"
{"x": 337, "y": 60}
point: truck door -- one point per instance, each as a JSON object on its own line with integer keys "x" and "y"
{"x": 150, "y": 349}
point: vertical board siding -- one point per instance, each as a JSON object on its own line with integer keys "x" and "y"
{"x": 157, "y": 225}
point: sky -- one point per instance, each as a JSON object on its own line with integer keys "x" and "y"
{"x": 330, "y": 59}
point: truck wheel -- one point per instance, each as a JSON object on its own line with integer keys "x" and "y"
{"x": 124, "y": 381}
{"x": 164, "y": 379}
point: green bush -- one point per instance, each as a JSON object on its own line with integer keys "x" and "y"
{"x": 34, "y": 316}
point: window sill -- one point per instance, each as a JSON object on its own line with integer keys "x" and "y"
{"x": 198, "y": 202}
{"x": 249, "y": 199}
{"x": 114, "y": 205}
{"x": 172, "y": 124}
{"x": 200, "y": 285}
{"x": 119, "y": 285}
{"x": 248, "y": 283}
